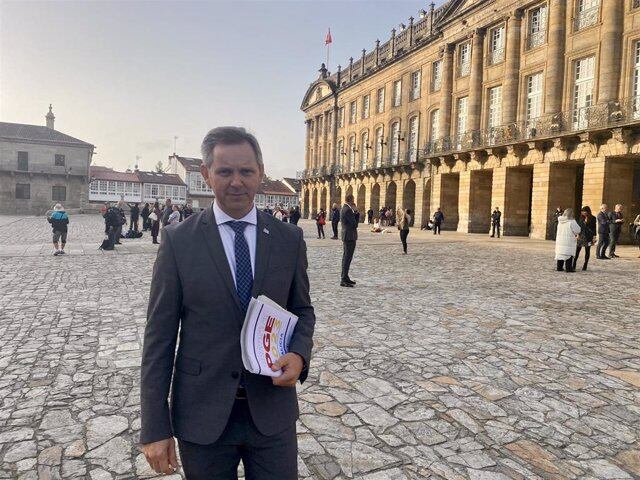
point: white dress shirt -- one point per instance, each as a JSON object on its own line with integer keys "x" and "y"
{"x": 228, "y": 236}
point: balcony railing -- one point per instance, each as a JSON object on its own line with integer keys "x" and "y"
{"x": 586, "y": 18}
{"x": 601, "y": 116}
{"x": 536, "y": 39}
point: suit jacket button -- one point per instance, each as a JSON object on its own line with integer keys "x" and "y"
{"x": 235, "y": 374}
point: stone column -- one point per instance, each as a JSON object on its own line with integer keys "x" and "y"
{"x": 553, "y": 186}
{"x": 475, "y": 81}
{"x": 554, "y": 79}
{"x": 474, "y": 201}
{"x": 610, "y": 60}
{"x": 307, "y": 155}
{"x": 417, "y": 212}
{"x": 512, "y": 69}
{"x": 316, "y": 141}
{"x": 464, "y": 201}
{"x": 446, "y": 91}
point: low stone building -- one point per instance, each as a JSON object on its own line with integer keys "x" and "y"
{"x": 521, "y": 105}
{"x": 40, "y": 166}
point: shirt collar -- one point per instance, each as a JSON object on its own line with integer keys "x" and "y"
{"x": 221, "y": 217}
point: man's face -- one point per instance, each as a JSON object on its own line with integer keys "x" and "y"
{"x": 167, "y": 202}
{"x": 603, "y": 208}
{"x": 618, "y": 208}
{"x": 235, "y": 177}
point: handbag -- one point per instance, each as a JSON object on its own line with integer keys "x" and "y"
{"x": 153, "y": 217}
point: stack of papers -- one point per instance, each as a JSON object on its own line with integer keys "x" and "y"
{"x": 265, "y": 336}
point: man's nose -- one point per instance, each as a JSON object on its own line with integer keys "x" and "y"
{"x": 236, "y": 180}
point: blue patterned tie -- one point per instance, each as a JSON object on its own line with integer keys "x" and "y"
{"x": 244, "y": 273}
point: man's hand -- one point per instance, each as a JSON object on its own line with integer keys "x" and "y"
{"x": 291, "y": 365}
{"x": 161, "y": 455}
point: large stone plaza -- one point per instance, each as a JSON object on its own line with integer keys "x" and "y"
{"x": 466, "y": 359}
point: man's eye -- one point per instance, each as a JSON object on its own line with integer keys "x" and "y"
{"x": 247, "y": 173}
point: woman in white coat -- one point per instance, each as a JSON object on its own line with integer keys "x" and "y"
{"x": 566, "y": 240}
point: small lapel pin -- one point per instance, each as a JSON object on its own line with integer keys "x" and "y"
{"x": 265, "y": 231}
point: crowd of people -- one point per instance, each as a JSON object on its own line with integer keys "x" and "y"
{"x": 287, "y": 215}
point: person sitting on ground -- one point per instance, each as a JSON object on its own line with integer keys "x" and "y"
{"x": 566, "y": 243}
{"x": 59, "y": 222}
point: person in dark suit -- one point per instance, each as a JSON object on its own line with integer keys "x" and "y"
{"x": 616, "y": 219}
{"x": 438, "y": 218}
{"x": 349, "y": 219}
{"x": 207, "y": 269}
{"x": 335, "y": 220}
{"x": 495, "y": 222}
{"x": 603, "y": 232}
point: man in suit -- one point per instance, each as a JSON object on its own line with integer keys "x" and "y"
{"x": 335, "y": 220}
{"x": 207, "y": 269}
{"x": 616, "y": 219}
{"x": 495, "y": 222}
{"x": 603, "y": 232}
{"x": 349, "y": 219}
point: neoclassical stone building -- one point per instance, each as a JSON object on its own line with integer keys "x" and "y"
{"x": 523, "y": 105}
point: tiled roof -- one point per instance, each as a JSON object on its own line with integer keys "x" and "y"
{"x": 294, "y": 182}
{"x": 161, "y": 178}
{"x": 274, "y": 187}
{"x": 38, "y": 133}
{"x": 105, "y": 173}
{"x": 190, "y": 164}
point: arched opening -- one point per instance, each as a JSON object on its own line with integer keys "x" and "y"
{"x": 375, "y": 200}
{"x": 337, "y": 197}
{"x": 426, "y": 203}
{"x": 305, "y": 212}
{"x": 314, "y": 202}
{"x": 323, "y": 199}
{"x": 409, "y": 199}
{"x": 390, "y": 196}
{"x": 349, "y": 191}
{"x": 362, "y": 191}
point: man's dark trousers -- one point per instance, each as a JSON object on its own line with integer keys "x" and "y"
{"x": 495, "y": 228}
{"x": 603, "y": 243}
{"x": 267, "y": 458}
{"x": 347, "y": 255}
{"x": 436, "y": 228}
{"x": 334, "y": 226}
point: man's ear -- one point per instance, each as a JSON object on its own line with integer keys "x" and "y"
{"x": 204, "y": 171}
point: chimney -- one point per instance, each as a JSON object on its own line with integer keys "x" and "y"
{"x": 50, "y": 118}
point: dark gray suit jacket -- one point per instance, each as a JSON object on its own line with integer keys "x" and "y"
{"x": 349, "y": 224}
{"x": 193, "y": 296}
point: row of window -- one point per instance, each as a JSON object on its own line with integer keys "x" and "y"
{"x": 108, "y": 187}
{"x": 272, "y": 200}
{"x": 23, "y": 161}
{"x": 174, "y": 192}
{"x": 58, "y": 192}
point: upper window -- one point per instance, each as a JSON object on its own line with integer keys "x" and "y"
{"x": 583, "y": 78}
{"x": 23, "y": 161}
{"x": 366, "y": 100}
{"x": 464, "y": 59}
{"x": 341, "y": 117}
{"x": 59, "y": 160}
{"x": 379, "y": 144}
{"x": 537, "y": 26}
{"x": 397, "y": 93}
{"x": 586, "y": 13}
{"x": 416, "y": 80}
{"x": 534, "y": 102}
{"x": 494, "y": 113}
{"x": 380, "y": 101}
{"x": 436, "y": 76}
{"x": 353, "y": 112}
{"x": 395, "y": 143}
{"x": 434, "y": 129}
{"x": 496, "y": 45}
{"x": 414, "y": 125}
{"x": 636, "y": 79}
{"x": 23, "y": 191}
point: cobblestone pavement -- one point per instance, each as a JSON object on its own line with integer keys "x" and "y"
{"x": 462, "y": 360}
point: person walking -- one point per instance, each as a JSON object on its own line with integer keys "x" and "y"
{"x": 566, "y": 243}
{"x": 495, "y": 222}
{"x": 586, "y": 237}
{"x": 335, "y": 220}
{"x": 438, "y": 218}
{"x": 603, "y": 220}
{"x": 59, "y": 221}
{"x": 295, "y": 215}
{"x": 155, "y": 217}
{"x": 615, "y": 228}
{"x": 205, "y": 275}
{"x": 636, "y": 231}
{"x": 145, "y": 217}
{"x": 349, "y": 219}
{"x": 134, "y": 217}
{"x": 321, "y": 220}
{"x": 404, "y": 221}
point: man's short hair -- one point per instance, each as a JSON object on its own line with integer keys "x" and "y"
{"x": 349, "y": 198}
{"x": 228, "y": 136}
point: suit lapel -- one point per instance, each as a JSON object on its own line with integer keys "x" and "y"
{"x": 211, "y": 237}
{"x": 263, "y": 248}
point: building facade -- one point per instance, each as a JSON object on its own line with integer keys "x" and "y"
{"x": 40, "y": 167}
{"x": 199, "y": 195}
{"x": 521, "y": 105}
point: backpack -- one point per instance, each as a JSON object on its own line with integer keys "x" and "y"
{"x": 137, "y": 234}
{"x": 106, "y": 245}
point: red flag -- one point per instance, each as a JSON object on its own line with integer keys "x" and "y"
{"x": 327, "y": 39}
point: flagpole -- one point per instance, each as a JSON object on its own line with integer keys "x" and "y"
{"x": 328, "y": 46}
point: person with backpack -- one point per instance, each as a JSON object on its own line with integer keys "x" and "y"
{"x": 113, "y": 222}
{"x": 145, "y": 217}
{"x": 59, "y": 221}
{"x": 321, "y": 220}
{"x": 135, "y": 217}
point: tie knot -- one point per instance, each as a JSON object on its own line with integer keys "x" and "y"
{"x": 238, "y": 227}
